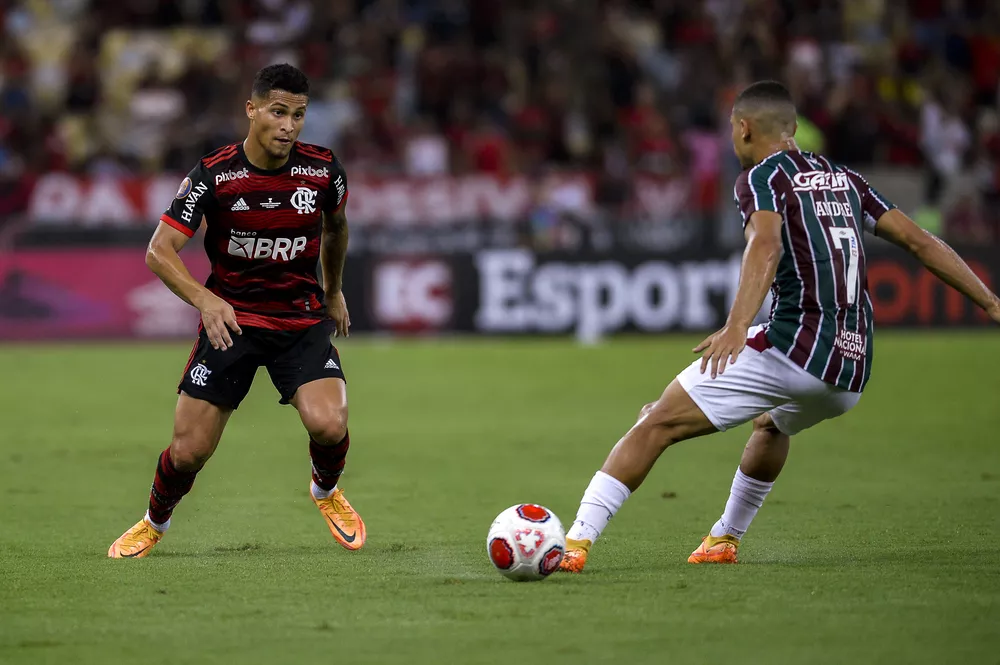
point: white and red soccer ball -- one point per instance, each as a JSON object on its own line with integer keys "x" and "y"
{"x": 526, "y": 542}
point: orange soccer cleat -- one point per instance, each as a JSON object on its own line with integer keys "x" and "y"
{"x": 135, "y": 543}
{"x": 576, "y": 556}
{"x": 344, "y": 522}
{"x": 716, "y": 550}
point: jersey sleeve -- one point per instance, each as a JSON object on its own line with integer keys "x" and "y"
{"x": 336, "y": 195}
{"x": 194, "y": 198}
{"x": 873, "y": 204}
{"x": 759, "y": 189}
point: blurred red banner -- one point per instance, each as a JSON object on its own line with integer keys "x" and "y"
{"x": 61, "y": 199}
{"x": 103, "y": 293}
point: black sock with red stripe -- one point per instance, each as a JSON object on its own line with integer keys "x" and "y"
{"x": 328, "y": 461}
{"x": 169, "y": 487}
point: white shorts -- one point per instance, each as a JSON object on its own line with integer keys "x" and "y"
{"x": 765, "y": 382}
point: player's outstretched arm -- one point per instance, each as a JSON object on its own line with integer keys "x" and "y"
{"x": 333, "y": 253}
{"x": 163, "y": 258}
{"x": 760, "y": 263}
{"x": 939, "y": 258}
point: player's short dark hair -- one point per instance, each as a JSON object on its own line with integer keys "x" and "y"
{"x": 280, "y": 77}
{"x": 768, "y": 102}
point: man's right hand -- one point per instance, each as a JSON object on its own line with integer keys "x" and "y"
{"x": 218, "y": 318}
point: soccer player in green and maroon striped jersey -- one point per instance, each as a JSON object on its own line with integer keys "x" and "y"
{"x": 804, "y": 220}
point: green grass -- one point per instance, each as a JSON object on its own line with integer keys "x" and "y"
{"x": 879, "y": 543}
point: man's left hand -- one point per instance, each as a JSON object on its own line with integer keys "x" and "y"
{"x": 722, "y": 348}
{"x": 336, "y": 307}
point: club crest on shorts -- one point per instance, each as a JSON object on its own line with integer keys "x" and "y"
{"x": 199, "y": 374}
{"x": 184, "y": 189}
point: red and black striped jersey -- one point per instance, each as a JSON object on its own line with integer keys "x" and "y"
{"x": 263, "y": 230}
{"x": 821, "y": 315}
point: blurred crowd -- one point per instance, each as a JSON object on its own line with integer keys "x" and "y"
{"x": 501, "y": 86}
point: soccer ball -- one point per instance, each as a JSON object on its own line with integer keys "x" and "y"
{"x": 526, "y": 542}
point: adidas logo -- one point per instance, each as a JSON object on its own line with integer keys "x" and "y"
{"x": 240, "y": 206}
{"x": 331, "y": 365}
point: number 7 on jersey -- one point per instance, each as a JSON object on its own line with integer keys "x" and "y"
{"x": 840, "y": 234}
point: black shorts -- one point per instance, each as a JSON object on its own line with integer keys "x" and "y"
{"x": 292, "y": 359}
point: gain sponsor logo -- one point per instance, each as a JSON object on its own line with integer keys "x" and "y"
{"x": 231, "y": 175}
{"x": 820, "y": 181}
{"x": 246, "y": 245}
{"x": 310, "y": 171}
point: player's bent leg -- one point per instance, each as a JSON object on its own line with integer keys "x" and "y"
{"x": 762, "y": 460}
{"x": 198, "y": 427}
{"x": 766, "y": 450}
{"x": 322, "y": 407}
{"x": 694, "y": 404}
{"x": 673, "y": 418}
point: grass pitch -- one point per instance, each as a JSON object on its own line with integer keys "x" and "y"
{"x": 880, "y": 543}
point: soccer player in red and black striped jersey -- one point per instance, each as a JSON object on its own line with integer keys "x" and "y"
{"x": 804, "y": 219}
{"x": 273, "y": 208}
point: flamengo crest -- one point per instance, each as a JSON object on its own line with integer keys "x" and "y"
{"x": 304, "y": 200}
{"x": 199, "y": 373}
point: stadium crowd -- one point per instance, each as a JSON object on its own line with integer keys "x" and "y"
{"x": 499, "y": 86}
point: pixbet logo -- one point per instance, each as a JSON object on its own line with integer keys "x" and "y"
{"x": 246, "y": 245}
{"x": 231, "y": 175}
{"x": 412, "y": 295}
{"x": 310, "y": 171}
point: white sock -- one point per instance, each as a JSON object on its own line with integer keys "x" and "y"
{"x": 158, "y": 527}
{"x": 604, "y": 496}
{"x": 320, "y": 493}
{"x": 745, "y": 499}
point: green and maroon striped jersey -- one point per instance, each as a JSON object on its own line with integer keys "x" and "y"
{"x": 821, "y": 314}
